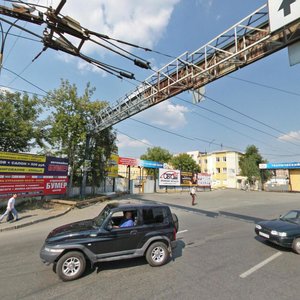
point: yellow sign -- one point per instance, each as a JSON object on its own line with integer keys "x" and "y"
{"x": 112, "y": 166}
{"x": 7, "y": 169}
{"x": 23, "y": 157}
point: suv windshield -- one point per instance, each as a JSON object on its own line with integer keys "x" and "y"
{"x": 102, "y": 216}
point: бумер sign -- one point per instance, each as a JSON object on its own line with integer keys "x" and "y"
{"x": 32, "y": 175}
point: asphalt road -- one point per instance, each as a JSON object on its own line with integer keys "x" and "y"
{"x": 218, "y": 256}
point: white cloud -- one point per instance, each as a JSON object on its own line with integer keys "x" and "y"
{"x": 292, "y": 136}
{"x": 126, "y": 142}
{"x": 166, "y": 115}
{"x": 134, "y": 21}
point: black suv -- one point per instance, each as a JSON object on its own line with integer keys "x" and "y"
{"x": 152, "y": 233}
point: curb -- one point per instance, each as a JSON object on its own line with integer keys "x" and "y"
{"x": 36, "y": 221}
{"x": 73, "y": 205}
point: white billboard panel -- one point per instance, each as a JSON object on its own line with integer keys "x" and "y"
{"x": 169, "y": 177}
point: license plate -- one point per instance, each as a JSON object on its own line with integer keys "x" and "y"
{"x": 264, "y": 235}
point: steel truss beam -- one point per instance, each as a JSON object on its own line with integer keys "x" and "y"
{"x": 244, "y": 43}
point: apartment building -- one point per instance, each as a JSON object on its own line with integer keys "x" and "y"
{"x": 223, "y": 167}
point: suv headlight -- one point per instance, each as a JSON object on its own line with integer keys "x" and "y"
{"x": 258, "y": 227}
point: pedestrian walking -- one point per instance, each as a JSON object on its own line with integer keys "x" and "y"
{"x": 193, "y": 194}
{"x": 11, "y": 208}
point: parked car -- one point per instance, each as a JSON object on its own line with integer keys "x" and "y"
{"x": 152, "y": 234}
{"x": 284, "y": 231}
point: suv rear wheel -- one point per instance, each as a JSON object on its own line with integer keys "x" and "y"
{"x": 71, "y": 266}
{"x": 157, "y": 254}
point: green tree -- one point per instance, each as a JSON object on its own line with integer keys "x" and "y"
{"x": 185, "y": 163}
{"x": 249, "y": 164}
{"x": 71, "y": 132}
{"x": 20, "y": 129}
{"x": 156, "y": 154}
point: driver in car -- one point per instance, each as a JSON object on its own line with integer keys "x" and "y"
{"x": 126, "y": 221}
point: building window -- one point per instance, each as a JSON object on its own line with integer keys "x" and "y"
{"x": 205, "y": 160}
{"x": 218, "y": 170}
{"x": 217, "y": 158}
{"x": 224, "y": 170}
{"x": 224, "y": 158}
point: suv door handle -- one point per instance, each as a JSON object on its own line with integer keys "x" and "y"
{"x": 133, "y": 232}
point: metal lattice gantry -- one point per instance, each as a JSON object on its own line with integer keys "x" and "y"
{"x": 245, "y": 42}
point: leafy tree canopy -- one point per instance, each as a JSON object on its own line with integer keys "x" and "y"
{"x": 185, "y": 163}
{"x": 249, "y": 163}
{"x": 71, "y": 132}
{"x": 20, "y": 128}
{"x": 157, "y": 154}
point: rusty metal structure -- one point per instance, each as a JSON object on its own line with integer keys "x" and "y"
{"x": 244, "y": 43}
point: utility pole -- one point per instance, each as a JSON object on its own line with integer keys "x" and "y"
{"x": 86, "y": 164}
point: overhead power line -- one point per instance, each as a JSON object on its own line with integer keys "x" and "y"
{"x": 59, "y": 26}
{"x": 235, "y": 121}
{"x": 23, "y": 91}
{"x": 34, "y": 85}
{"x": 265, "y": 86}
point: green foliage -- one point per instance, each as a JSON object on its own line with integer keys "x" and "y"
{"x": 185, "y": 163}
{"x": 70, "y": 133}
{"x": 157, "y": 154}
{"x": 19, "y": 125}
{"x": 249, "y": 163}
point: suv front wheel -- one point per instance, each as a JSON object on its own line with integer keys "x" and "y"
{"x": 157, "y": 254}
{"x": 71, "y": 266}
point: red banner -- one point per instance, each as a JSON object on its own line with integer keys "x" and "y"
{"x": 27, "y": 185}
{"x": 128, "y": 161}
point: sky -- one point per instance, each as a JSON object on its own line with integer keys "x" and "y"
{"x": 267, "y": 90}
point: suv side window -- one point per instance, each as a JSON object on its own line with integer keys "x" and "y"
{"x": 156, "y": 215}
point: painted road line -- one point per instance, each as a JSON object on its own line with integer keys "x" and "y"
{"x": 182, "y": 231}
{"x": 260, "y": 265}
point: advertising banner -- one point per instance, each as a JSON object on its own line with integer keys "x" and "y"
{"x": 150, "y": 164}
{"x": 134, "y": 162}
{"x": 27, "y": 185}
{"x": 128, "y": 161}
{"x": 280, "y": 165}
{"x": 188, "y": 178}
{"x": 204, "y": 180}
{"x": 32, "y": 175}
{"x": 112, "y": 166}
{"x": 169, "y": 177}
{"x": 19, "y": 163}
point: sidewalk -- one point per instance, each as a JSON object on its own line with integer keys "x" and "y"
{"x": 30, "y": 217}
{"x": 62, "y": 207}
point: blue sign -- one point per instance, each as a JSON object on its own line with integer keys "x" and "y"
{"x": 290, "y": 165}
{"x": 150, "y": 164}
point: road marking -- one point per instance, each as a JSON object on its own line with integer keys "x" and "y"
{"x": 182, "y": 231}
{"x": 260, "y": 265}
